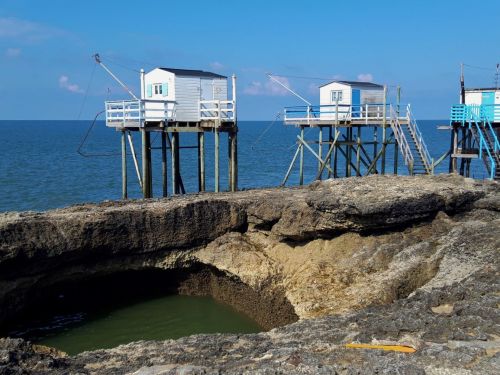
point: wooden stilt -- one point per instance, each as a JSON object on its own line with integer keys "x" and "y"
{"x": 384, "y": 130}
{"x": 175, "y": 162}
{"x": 452, "y": 150}
{"x": 335, "y": 156}
{"x": 464, "y": 143}
{"x": 396, "y": 150}
{"x": 328, "y": 157}
{"x": 455, "y": 149}
{"x": 229, "y": 162}
{"x": 234, "y": 161}
{"x": 396, "y": 156}
{"x": 146, "y": 164}
{"x": 216, "y": 159}
{"x": 124, "y": 166}
{"x": 164, "y": 162}
{"x": 348, "y": 150}
{"x": 384, "y": 147}
{"x": 330, "y": 139}
{"x": 301, "y": 159}
{"x": 358, "y": 152}
{"x": 291, "y": 165}
{"x": 468, "y": 146}
{"x": 320, "y": 150}
{"x": 201, "y": 161}
{"x": 134, "y": 158}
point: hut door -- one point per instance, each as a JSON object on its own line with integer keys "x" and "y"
{"x": 356, "y": 103}
{"x": 207, "y": 89}
{"x": 488, "y": 100}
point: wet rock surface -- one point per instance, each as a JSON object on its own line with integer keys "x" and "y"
{"x": 386, "y": 260}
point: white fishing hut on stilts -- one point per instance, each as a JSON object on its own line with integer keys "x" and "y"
{"x": 175, "y": 101}
{"x": 348, "y": 106}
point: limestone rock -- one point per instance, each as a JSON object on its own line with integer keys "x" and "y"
{"x": 382, "y": 259}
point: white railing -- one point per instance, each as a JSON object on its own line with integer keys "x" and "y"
{"x": 337, "y": 112}
{"x": 419, "y": 140}
{"x": 135, "y": 113}
{"x": 221, "y": 110}
{"x": 400, "y": 137}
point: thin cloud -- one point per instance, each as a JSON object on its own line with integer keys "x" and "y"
{"x": 313, "y": 88}
{"x": 255, "y": 88}
{"x": 12, "y": 53}
{"x": 270, "y": 88}
{"x": 16, "y": 28}
{"x": 365, "y": 77}
{"x": 66, "y": 85}
{"x": 216, "y": 65}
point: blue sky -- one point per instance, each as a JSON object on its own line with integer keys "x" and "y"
{"x": 46, "y": 49}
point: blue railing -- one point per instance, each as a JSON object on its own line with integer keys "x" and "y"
{"x": 485, "y": 117}
{"x": 478, "y": 117}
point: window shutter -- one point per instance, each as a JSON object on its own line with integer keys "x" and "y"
{"x": 149, "y": 90}
{"x": 164, "y": 89}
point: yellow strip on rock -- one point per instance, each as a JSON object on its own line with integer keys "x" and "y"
{"x": 394, "y": 348}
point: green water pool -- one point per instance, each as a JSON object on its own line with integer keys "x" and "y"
{"x": 160, "y": 318}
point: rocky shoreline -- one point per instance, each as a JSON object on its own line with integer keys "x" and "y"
{"x": 406, "y": 260}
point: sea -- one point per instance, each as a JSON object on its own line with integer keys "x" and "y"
{"x": 51, "y": 164}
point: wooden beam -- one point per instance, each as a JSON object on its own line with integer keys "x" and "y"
{"x": 201, "y": 161}
{"x": 124, "y": 166}
{"x": 164, "y": 163}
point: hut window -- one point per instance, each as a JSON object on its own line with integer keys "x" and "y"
{"x": 336, "y": 95}
{"x": 157, "y": 87}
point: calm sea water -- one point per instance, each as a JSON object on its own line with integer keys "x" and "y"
{"x": 40, "y": 168}
{"x": 159, "y": 318}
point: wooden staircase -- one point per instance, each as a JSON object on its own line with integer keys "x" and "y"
{"x": 411, "y": 143}
{"x": 477, "y": 119}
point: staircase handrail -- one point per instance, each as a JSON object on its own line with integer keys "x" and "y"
{"x": 487, "y": 124}
{"x": 474, "y": 118}
{"x": 399, "y": 135}
{"x": 419, "y": 140}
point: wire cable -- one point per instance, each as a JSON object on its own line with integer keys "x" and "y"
{"x": 278, "y": 115}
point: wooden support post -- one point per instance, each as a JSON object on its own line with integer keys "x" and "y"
{"x": 464, "y": 144}
{"x": 304, "y": 143}
{"x": 468, "y": 145}
{"x": 396, "y": 150}
{"x": 358, "y": 152}
{"x": 335, "y": 158}
{"x": 164, "y": 162}
{"x": 175, "y": 163}
{"x": 234, "y": 160}
{"x": 216, "y": 160}
{"x": 146, "y": 164}
{"x": 320, "y": 149}
{"x": 301, "y": 159}
{"x": 201, "y": 161}
{"x": 348, "y": 153}
{"x": 455, "y": 149}
{"x": 384, "y": 130}
{"x": 330, "y": 139}
{"x": 452, "y": 150}
{"x": 124, "y": 166}
{"x": 291, "y": 165}
{"x": 345, "y": 155}
{"x": 328, "y": 157}
{"x": 396, "y": 155}
{"x": 229, "y": 164}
